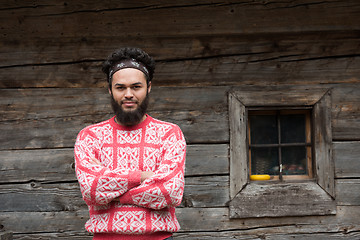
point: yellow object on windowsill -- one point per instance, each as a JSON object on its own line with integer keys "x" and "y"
{"x": 263, "y": 177}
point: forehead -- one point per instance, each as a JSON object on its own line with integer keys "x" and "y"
{"x": 128, "y": 76}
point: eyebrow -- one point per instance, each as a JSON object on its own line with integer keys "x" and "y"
{"x": 133, "y": 84}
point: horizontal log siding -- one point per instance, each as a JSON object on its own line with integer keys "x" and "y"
{"x": 51, "y": 86}
{"x": 207, "y": 192}
{"x": 58, "y": 164}
{"x": 193, "y": 221}
{"x": 218, "y": 70}
{"x": 201, "y": 113}
{"x": 57, "y": 19}
{"x": 56, "y": 190}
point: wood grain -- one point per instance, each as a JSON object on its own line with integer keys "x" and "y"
{"x": 205, "y": 191}
{"x": 53, "y": 120}
{"x": 191, "y": 220}
{"x": 346, "y": 155}
{"x": 57, "y": 165}
{"x": 222, "y": 70}
{"x": 56, "y": 19}
{"x": 51, "y": 86}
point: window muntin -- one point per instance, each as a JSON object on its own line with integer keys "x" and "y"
{"x": 280, "y": 143}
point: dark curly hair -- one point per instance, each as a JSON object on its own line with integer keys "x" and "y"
{"x": 129, "y": 53}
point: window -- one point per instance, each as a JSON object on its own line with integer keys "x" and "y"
{"x": 298, "y": 121}
{"x": 280, "y": 143}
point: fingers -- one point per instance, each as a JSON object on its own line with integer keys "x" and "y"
{"x": 95, "y": 161}
{"x": 146, "y": 174}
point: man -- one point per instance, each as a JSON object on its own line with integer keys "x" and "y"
{"x": 131, "y": 167}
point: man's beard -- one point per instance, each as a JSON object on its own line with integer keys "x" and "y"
{"x": 132, "y": 117}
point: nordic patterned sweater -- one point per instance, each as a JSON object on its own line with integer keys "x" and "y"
{"x": 118, "y": 202}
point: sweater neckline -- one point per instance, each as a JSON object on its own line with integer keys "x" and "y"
{"x": 130, "y": 128}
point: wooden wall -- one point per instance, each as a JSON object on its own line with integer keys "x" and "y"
{"x": 51, "y": 86}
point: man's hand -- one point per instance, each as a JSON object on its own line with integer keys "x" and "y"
{"x": 145, "y": 175}
{"x": 94, "y": 161}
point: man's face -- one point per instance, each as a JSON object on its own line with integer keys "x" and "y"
{"x": 129, "y": 93}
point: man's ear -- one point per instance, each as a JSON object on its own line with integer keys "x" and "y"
{"x": 149, "y": 87}
{"x": 109, "y": 89}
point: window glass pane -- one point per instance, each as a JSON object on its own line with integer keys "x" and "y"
{"x": 292, "y": 128}
{"x": 294, "y": 160}
{"x": 263, "y": 129}
{"x": 264, "y": 161}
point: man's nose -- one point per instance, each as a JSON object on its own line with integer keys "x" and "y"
{"x": 129, "y": 93}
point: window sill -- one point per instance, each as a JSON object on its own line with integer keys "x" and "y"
{"x": 275, "y": 199}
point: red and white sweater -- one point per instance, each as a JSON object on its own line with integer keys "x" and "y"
{"x": 118, "y": 202}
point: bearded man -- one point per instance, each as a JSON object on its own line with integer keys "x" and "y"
{"x": 131, "y": 167}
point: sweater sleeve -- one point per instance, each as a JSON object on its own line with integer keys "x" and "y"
{"x": 99, "y": 185}
{"x": 166, "y": 187}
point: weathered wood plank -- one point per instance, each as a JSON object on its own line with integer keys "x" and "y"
{"x": 41, "y": 197}
{"x": 6, "y": 236}
{"x": 204, "y": 159}
{"x": 212, "y": 191}
{"x": 195, "y": 110}
{"x": 221, "y": 235}
{"x": 43, "y": 133}
{"x": 268, "y": 96}
{"x": 76, "y": 235}
{"x": 54, "y": 19}
{"x": 40, "y": 222}
{"x": 207, "y": 191}
{"x": 62, "y": 132}
{"x": 347, "y": 163}
{"x": 207, "y": 159}
{"x": 264, "y": 46}
{"x": 52, "y": 165}
{"x": 191, "y": 220}
{"x": 266, "y": 235}
{"x": 34, "y": 104}
{"x": 239, "y": 173}
{"x": 346, "y": 112}
{"x": 348, "y": 192}
{"x": 217, "y": 219}
{"x": 281, "y": 199}
{"x": 347, "y": 155}
{"x": 223, "y": 70}
{"x": 322, "y": 142}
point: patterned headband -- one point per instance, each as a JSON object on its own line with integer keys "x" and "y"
{"x": 129, "y": 63}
